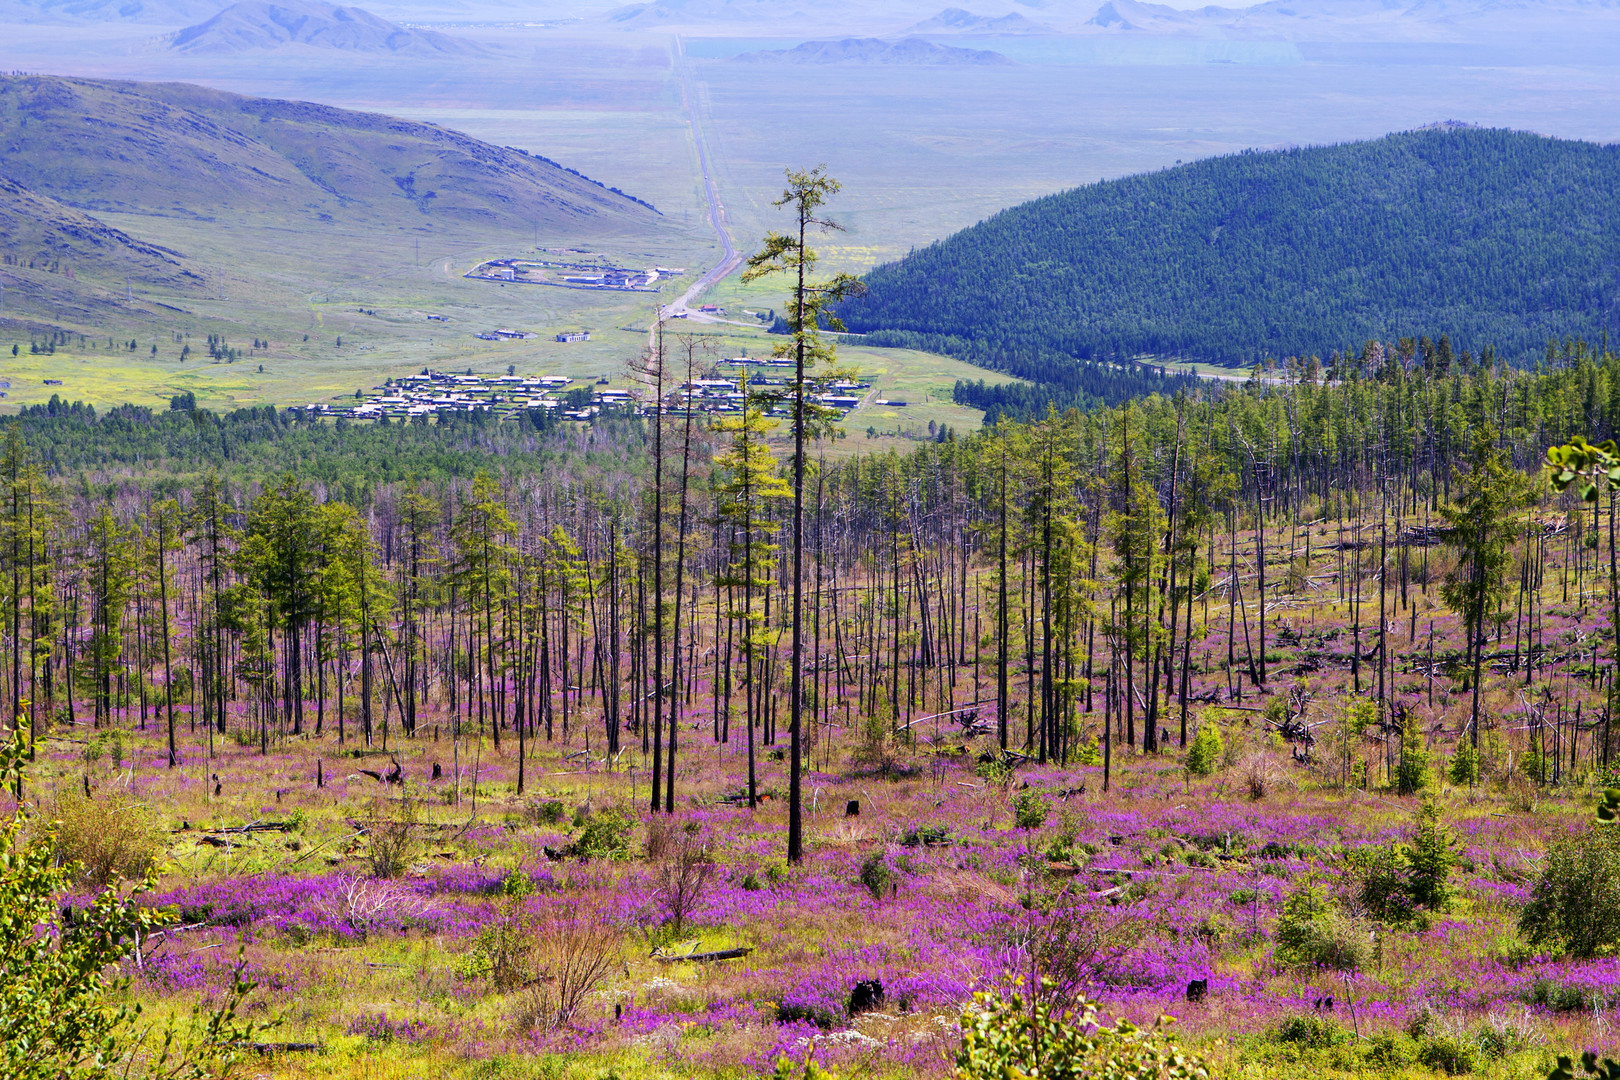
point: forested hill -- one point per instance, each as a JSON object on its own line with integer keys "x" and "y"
{"x": 1491, "y": 237}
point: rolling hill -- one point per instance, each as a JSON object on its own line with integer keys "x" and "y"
{"x": 173, "y": 149}
{"x": 1492, "y": 237}
{"x": 64, "y": 262}
{"x": 271, "y": 24}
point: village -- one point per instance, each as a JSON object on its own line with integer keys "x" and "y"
{"x": 432, "y": 393}
{"x": 572, "y": 275}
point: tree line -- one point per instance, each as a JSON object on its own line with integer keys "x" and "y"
{"x": 1103, "y": 574}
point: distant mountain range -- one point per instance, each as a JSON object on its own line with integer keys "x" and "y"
{"x": 144, "y": 12}
{"x": 911, "y": 50}
{"x": 269, "y": 24}
{"x": 1290, "y": 20}
{"x": 962, "y": 21}
{"x": 1495, "y": 238}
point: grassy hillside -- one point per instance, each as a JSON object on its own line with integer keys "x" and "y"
{"x": 1493, "y": 237}
{"x": 179, "y": 150}
{"x": 170, "y": 214}
{"x": 64, "y": 260}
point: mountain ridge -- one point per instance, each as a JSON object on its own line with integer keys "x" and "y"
{"x": 176, "y": 149}
{"x": 270, "y": 24}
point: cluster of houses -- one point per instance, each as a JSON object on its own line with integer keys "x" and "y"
{"x": 572, "y": 275}
{"x": 434, "y": 392}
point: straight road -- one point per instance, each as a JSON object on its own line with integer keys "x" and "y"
{"x": 730, "y": 258}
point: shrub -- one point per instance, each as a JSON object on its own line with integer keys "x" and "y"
{"x": 792, "y": 1012}
{"x": 1536, "y": 766}
{"x": 1450, "y": 1054}
{"x": 1464, "y": 770}
{"x": 994, "y": 770}
{"x": 503, "y": 952}
{"x": 876, "y": 875}
{"x": 1030, "y": 809}
{"x": 1003, "y": 1035}
{"x": 573, "y": 955}
{"x": 104, "y": 839}
{"x": 1575, "y": 903}
{"x": 604, "y": 836}
{"x": 1312, "y": 930}
{"x": 1388, "y": 1050}
{"x": 926, "y": 836}
{"x": 1565, "y": 997}
{"x": 1076, "y": 946}
{"x": 66, "y": 1013}
{"x": 391, "y": 840}
{"x": 1312, "y": 1030}
{"x": 1383, "y": 887}
{"x": 683, "y": 877}
{"x": 1207, "y": 749}
{"x": 548, "y": 812}
{"x": 1429, "y": 859}
{"x": 1412, "y": 771}
{"x": 518, "y": 885}
{"x": 1500, "y": 1035}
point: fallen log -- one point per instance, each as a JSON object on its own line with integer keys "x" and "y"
{"x": 707, "y": 957}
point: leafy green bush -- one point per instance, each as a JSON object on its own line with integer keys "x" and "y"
{"x": 1575, "y": 903}
{"x": 1429, "y": 859}
{"x": 104, "y": 839}
{"x": 1383, "y": 886}
{"x": 391, "y": 840}
{"x": 548, "y": 812}
{"x": 1312, "y": 1030}
{"x": 1207, "y": 749}
{"x": 1030, "y": 809}
{"x": 1499, "y": 1036}
{"x": 1312, "y": 930}
{"x": 1412, "y": 772}
{"x": 876, "y": 875}
{"x": 1006, "y": 1036}
{"x": 1464, "y": 769}
{"x": 59, "y": 1017}
{"x": 1453, "y": 1055}
{"x": 503, "y": 952}
{"x": 926, "y": 836}
{"x": 605, "y": 836}
{"x": 994, "y": 771}
{"x": 1398, "y": 881}
{"x": 1388, "y": 1050}
{"x": 1565, "y": 997}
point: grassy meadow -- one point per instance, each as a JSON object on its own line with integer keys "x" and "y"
{"x": 375, "y": 918}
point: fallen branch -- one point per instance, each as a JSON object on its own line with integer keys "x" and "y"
{"x": 707, "y": 957}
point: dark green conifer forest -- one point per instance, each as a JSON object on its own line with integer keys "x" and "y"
{"x": 1488, "y": 237}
